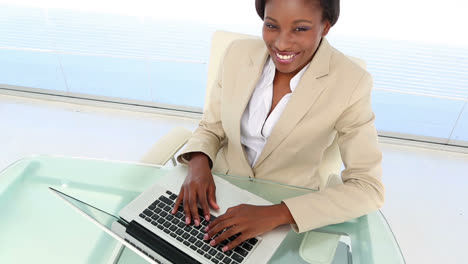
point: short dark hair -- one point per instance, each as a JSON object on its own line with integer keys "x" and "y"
{"x": 330, "y": 9}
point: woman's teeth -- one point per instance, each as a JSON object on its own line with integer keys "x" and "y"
{"x": 285, "y": 57}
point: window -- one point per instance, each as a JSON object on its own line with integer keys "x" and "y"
{"x": 155, "y": 53}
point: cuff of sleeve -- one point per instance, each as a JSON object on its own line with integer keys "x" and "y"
{"x": 185, "y": 157}
{"x": 290, "y": 203}
{"x": 182, "y": 158}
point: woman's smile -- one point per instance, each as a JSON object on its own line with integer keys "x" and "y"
{"x": 285, "y": 57}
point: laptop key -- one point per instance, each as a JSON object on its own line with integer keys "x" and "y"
{"x": 160, "y": 227}
{"x": 169, "y": 192}
{"x": 167, "y": 224}
{"x": 193, "y": 247}
{"x": 167, "y": 231}
{"x": 213, "y": 252}
{"x": 175, "y": 221}
{"x": 186, "y": 243}
{"x": 199, "y": 244}
{"x": 206, "y": 248}
{"x": 194, "y": 232}
{"x": 237, "y": 257}
{"x": 155, "y": 217}
{"x": 208, "y": 256}
{"x": 152, "y": 207}
{"x": 160, "y": 205}
{"x": 173, "y": 197}
{"x": 192, "y": 239}
{"x": 163, "y": 214}
{"x": 246, "y": 246}
{"x": 154, "y": 223}
{"x": 173, "y": 235}
{"x": 148, "y": 219}
{"x": 219, "y": 256}
{"x": 199, "y": 251}
{"x": 227, "y": 260}
{"x": 241, "y": 251}
{"x": 142, "y": 216}
{"x": 214, "y": 260}
{"x": 253, "y": 241}
{"x": 158, "y": 210}
{"x": 186, "y": 236}
{"x": 181, "y": 225}
{"x": 179, "y": 232}
{"x": 147, "y": 212}
{"x": 161, "y": 220}
{"x": 180, "y": 239}
{"x": 173, "y": 228}
{"x": 165, "y": 200}
{"x": 229, "y": 252}
{"x": 169, "y": 217}
{"x": 200, "y": 236}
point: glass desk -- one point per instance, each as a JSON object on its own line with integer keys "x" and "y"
{"x": 38, "y": 227}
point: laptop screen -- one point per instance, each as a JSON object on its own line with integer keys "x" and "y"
{"x": 103, "y": 217}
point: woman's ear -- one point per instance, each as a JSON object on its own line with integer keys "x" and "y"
{"x": 326, "y": 27}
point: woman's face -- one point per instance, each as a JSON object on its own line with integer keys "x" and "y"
{"x": 292, "y": 31}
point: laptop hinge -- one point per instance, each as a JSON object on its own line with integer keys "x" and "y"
{"x": 157, "y": 244}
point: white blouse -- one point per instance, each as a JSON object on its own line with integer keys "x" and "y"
{"x": 256, "y": 125}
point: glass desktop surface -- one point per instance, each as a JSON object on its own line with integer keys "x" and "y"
{"x": 38, "y": 227}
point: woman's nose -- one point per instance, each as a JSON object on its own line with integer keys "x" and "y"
{"x": 283, "y": 41}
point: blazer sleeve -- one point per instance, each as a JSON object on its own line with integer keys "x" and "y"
{"x": 362, "y": 190}
{"x": 209, "y": 135}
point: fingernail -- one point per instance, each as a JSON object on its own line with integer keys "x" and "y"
{"x": 197, "y": 223}
{"x": 212, "y": 242}
{"x": 205, "y": 237}
{"x": 225, "y": 248}
{"x": 173, "y": 211}
{"x": 206, "y": 229}
{"x": 207, "y": 217}
{"x": 187, "y": 220}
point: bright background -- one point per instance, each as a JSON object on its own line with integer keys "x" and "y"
{"x": 155, "y": 53}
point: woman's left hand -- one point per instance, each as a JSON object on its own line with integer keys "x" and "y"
{"x": 249, "y": 221}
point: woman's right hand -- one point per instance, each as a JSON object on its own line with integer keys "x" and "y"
{"x": 198, "y": 188}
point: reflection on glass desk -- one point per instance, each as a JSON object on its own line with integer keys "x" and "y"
{"x": 38, "y": 227}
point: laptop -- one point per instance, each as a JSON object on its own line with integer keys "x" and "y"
{"x": 148, "y": 228}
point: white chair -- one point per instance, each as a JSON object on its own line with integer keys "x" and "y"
{"x": 320, "y": 247}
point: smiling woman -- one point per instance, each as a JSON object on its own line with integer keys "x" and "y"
{"x": 290, "y": 90}
{"x": 292, "y": 41}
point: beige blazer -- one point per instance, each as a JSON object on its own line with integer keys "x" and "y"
{"x": 332, "y": 99}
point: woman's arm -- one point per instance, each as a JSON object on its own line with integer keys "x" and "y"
{"x": 362, "y": 190}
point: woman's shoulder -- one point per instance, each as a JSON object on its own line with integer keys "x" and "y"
{"x": 243, "y": 47}
{"x": 348, "y": 74}
{"x": 342, "y": 63}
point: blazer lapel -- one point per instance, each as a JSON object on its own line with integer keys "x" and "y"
{"x": 247, "y": 79}
{"x": 307, "y": 92}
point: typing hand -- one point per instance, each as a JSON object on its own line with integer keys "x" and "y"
{"x": 198, "y": 188}
{"x": 249, "y": 221}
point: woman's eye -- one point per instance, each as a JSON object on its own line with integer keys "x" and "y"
{"x": 270, "y": 26}
{"x": 301, "y": 29}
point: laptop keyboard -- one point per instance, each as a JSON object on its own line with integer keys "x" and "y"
{"x": 159, "y": 214}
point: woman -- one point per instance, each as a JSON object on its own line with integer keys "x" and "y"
{"x": 276, "y": 107}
